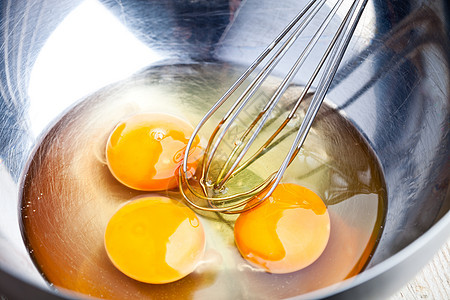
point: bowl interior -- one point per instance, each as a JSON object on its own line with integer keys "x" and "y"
{"x": 392, "y": 86}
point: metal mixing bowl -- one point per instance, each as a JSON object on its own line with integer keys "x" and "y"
{"x": 393, "y": 85}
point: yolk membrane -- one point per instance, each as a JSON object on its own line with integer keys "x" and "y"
{"x": 155, "y": 240}
{"x": 285, "y": 233}
{"x": 145, "y": 151}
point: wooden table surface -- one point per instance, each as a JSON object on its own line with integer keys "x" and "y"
{"x": 433, "y": 282}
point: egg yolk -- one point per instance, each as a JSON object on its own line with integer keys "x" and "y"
{"x": 285, "y": 233}
{"x": 145, "y": 151}
{"x": 155, "y": 240}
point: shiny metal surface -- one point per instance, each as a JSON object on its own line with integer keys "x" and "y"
{"x": 393, "y": 84}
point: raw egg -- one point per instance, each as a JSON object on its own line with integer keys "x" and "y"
{"x": 145, "y": 151}
{"x": 155, "y": 240}
{"x": 285, "y": 233}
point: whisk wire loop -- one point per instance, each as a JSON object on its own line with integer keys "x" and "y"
{"x": 240, "y": 202}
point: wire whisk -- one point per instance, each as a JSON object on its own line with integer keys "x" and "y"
{"x": 207, "y": 191}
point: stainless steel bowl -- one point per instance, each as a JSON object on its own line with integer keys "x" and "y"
{"x": 393, "y": 85}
